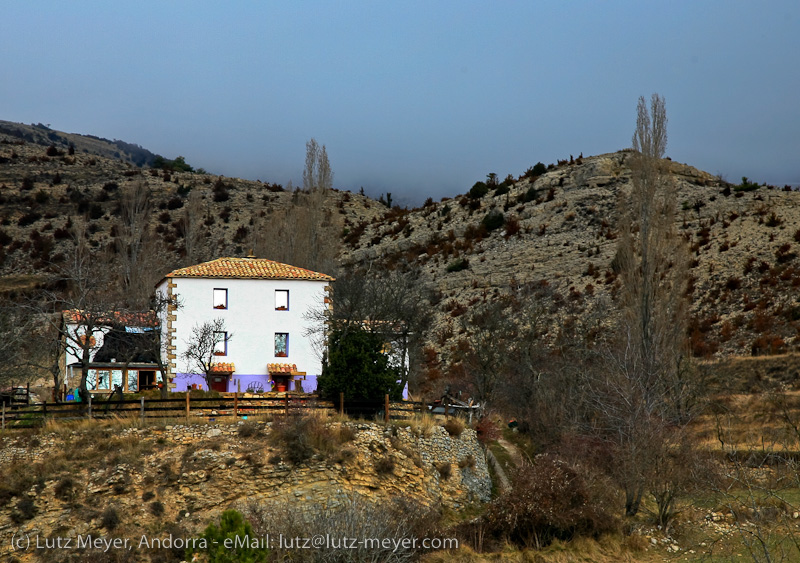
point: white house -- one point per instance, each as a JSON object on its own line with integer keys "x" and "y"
{"x": 263, "y": 304}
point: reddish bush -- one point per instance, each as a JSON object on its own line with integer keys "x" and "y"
{"x": 701, "y": 345}
{"x": 512, "y": 227}
{"x": 550, "y": 500}
{"x": 486, "y": 430}
{"x": 767, "y": 345}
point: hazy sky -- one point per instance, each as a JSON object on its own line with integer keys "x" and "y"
{"x": 416, "y": 98}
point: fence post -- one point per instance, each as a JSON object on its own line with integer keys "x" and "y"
{"x": 286, "y": 403}
{"x": 142, "y": 410}
{"x": 4, "y": 415}
{"x": 236, "y": 404}
{"x": 341, "y": 403}
{"x": 44, "y": 412}
{"x": 90, "y": 405}
{"x": 386, "y": 409}
{"x": 187, "y": 404}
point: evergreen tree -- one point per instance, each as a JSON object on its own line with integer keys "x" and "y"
{"x": 358, "y": 368}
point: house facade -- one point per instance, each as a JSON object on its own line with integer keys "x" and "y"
{"x": 263, "y": 342}
{"x": 122, "y": 350}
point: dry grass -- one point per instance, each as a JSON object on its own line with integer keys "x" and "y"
{"x": 610, "y": 548}
{"x": 750, "y": 422}
{"x": 421, "y": 424}
{"x": 303, "y": 437}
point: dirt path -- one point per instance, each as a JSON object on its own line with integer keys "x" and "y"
{"x": 513, "y": 451}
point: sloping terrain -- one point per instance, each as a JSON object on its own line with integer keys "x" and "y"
{"x": 555, "y": 224}
{"x": 45, "y": 190}
{"x": 561, "y": 227}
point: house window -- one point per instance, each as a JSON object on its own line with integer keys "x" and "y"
{"x": 98, "y": 379}
{"x": 281, "y": 299}
{"x": 220, "y": 298}
{"x": 281, "y": 344}
{"x": 220, "y": 343}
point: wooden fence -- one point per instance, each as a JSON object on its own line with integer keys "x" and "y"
{"x": 210, "y": 408}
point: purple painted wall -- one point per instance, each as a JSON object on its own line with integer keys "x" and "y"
{"x": 184, "y": 381}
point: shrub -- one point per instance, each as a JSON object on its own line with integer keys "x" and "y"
{"x": 550, "y": 500}
{"x": 249, "y": 429}
{"x": 157, "y": 509}
{"x": 109, "y": 519}
{"x": 175, "y": 203}
{"x": 220, "y": 191}
{"x": 25, "y": 510}
{"x": 486, "y": 430}
{"x": 384, "y": 464}
{"x": 454, "y": 427}
{"x": 784, "y": 253}
{"x": 746, "y": 186}
{"x": 733, "y": 283}
{"x": 293, "y": 435}
{"x": 767, "y": 345}
{"x": 493, "y": 220}
{"x": 41, "y": 197}
{"x": 221, "y": 544}
{"x": 28, "y": 219}
{"x": 241, "y": 234}
{"x": 467, "y": 461}
{"x": 458, "y": 265}
{"x": 773, "y": 220}
{"x": 345, "y": 455}
{"x": 445, "y": 469}
{"x": 95, "y": 211}
{"x": 478, "y": 190}
{"x": 512, "y": 227}
{"x": 65, "y": 489}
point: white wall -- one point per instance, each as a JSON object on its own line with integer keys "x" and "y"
{"x": 73, "y": 353}
{"x": 251, "y": 320}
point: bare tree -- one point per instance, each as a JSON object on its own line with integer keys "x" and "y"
{"x": 391, "y": 305}
{"x": 308, "y": 232}
{"x": 201, "y": 348}
{"x": 18, "y": 332}
{"x": 77, "y": 303}
{"x": 317, "y": 174}
{"x": 134, "y": 242}
{"x": 324, "y": 172}
{"x": 192, "y": 228}
{"x": 642, "y": 390}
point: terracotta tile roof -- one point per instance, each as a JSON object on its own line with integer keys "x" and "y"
{"x": 126, "y": 318}
{"x": 223, "y": 367}
{"x": 248, "y": 268}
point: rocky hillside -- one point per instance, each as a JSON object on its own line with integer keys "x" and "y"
{"x": 129, "y": 482}
{"x": 40, "y": 134}
{"x": 555, "y": 224}
{"x": 46, "y": 187}
{"x": 560, "y": 226}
